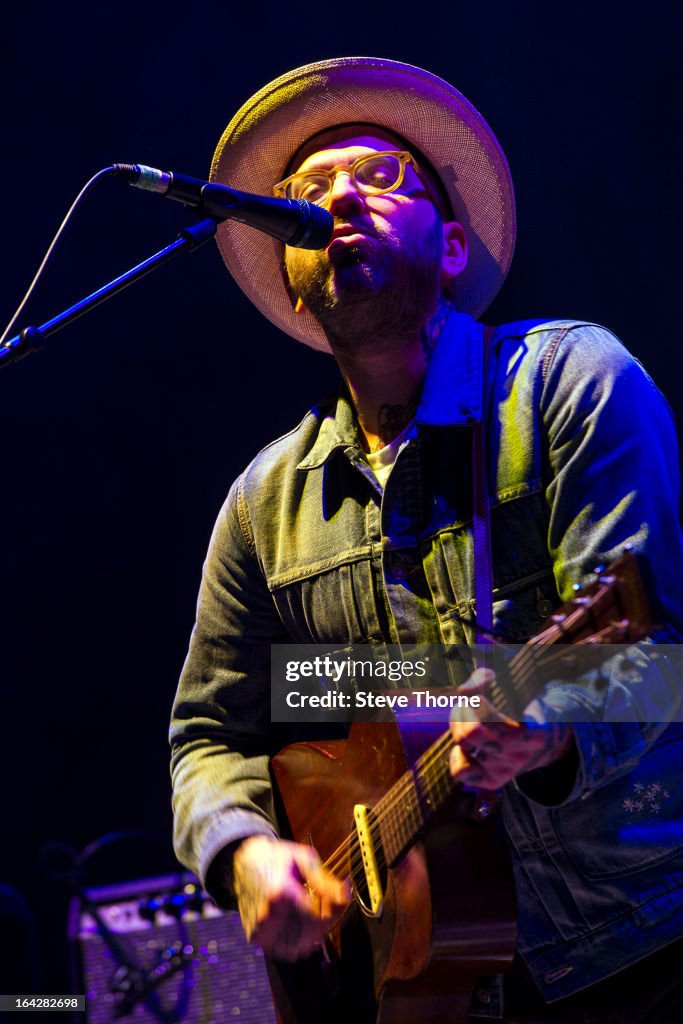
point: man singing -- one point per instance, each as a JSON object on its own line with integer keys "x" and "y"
{"x": 357, "y": 528}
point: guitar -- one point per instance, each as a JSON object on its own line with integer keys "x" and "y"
{"x": 433, "y": 906}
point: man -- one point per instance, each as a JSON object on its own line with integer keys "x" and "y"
{"x": 357, "y": 528}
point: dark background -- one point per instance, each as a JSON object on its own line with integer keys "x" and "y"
{"x": 121, "y": 438}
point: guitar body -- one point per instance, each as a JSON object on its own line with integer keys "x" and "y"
{"x": 443, "y": 895}
{"x": 448, "y": 913}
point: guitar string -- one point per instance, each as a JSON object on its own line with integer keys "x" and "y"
{"x": 431, "y": 767}
{"x": 385, "y": 811}
{"x": 523, "y": 667}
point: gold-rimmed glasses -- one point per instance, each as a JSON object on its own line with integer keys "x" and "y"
{"x": 374, "y": 174}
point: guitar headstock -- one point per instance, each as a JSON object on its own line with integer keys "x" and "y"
{"x": 613, "y": 609}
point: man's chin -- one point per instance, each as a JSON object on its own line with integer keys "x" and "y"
{"x": 354, "y": 279}
{"x": 339, "y": 306}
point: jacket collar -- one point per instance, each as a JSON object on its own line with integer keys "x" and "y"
{"x": 451, "y": 395}
{"x": 452, "y": 392}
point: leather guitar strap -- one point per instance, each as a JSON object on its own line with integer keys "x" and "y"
{"x": 483, "y": 561}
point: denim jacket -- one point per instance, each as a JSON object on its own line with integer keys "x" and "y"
{"x": 308, "y": 548}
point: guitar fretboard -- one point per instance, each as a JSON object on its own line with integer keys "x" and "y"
{"x": 612, "y": 610}
{"x": 404, "y": 811}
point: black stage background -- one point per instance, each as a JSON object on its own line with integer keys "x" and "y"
{"x": 121, "y": 438}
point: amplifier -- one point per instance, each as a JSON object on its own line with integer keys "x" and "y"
{"x": 158, "y": 950}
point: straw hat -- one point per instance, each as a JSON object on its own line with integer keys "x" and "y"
{"x": 432, "y": 116}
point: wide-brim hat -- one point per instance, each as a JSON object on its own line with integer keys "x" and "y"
{"x": 435, "y": 119}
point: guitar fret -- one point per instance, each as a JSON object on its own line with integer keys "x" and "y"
{"x": 399, "y": 818}
{"x": 404, "y": 811}
{"x": 410, "y": 817}
{"x": 614, "y": 609}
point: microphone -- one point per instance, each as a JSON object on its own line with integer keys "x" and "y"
{"x": 293, "y": 221}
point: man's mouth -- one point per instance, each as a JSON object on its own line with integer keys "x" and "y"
{"x": 346, "y": 237}
{"x": 346, "y": 241}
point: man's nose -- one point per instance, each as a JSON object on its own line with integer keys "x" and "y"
{"x": 344, "y": 195}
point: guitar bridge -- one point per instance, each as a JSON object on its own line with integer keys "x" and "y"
{"x": 361, "y": 815}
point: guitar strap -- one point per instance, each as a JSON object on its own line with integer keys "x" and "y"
{"x": 483, "y": 561}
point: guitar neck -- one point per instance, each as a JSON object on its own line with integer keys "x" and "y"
{"x": 406, "y": 809}
{"x": 400, "y": 816}
{"x": 612, "y": 609}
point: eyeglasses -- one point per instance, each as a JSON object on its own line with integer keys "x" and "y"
{"x": 374, "y": 174}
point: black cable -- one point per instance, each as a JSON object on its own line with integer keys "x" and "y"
{"x": 132, "y": 980}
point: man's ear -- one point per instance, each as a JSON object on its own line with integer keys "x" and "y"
{"x": 454, "y": 259}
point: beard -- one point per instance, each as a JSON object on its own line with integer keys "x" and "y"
{"x": 378, "y": 288}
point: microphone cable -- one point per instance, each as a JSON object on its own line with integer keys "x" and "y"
{"x": 105, "y": 172}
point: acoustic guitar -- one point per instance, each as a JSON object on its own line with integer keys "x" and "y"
{"x": 433, "y": 904}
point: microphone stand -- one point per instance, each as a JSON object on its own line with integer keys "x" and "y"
{"x": 32, "y": 338}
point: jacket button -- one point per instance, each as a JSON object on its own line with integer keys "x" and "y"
{"x": 401, "y": 564}
{"x": 544, "y": 607}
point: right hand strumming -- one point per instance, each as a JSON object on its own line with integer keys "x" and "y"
{"x": 287, "y": 900}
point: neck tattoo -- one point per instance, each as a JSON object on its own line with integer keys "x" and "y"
{"x": 391, "y": 420}
{"x": 431, "y": 332}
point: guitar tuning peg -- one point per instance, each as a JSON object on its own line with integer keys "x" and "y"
{"x": 598, "y": 569}
{"x": 576, "y": 587}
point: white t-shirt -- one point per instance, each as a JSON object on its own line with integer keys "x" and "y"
{"x": 381, "y": 462}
